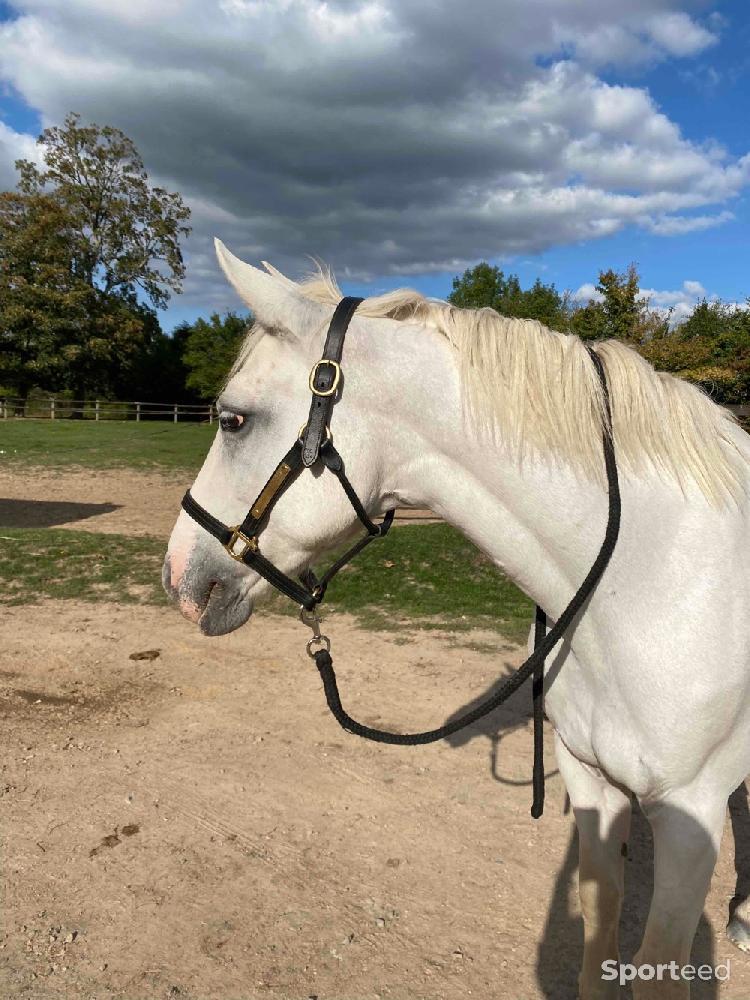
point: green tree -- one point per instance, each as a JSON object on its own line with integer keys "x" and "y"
{"x": 120, "y": 238}
{"x": 620, "y": 311}
{"x": 156, "y": 372}
{"x": 711, "y": 348}
{"x": 589, "y": 322}
{"x": 40, "y": 301}
{"x": 479, "y": 287}
{"x": 210, "y": 349}
{"x": 620, "y": 302}
{"x": 487, "y": 286}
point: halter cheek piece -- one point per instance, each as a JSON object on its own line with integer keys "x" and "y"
{"x": 315, "y": 443}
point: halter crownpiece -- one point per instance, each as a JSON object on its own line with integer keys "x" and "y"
{"x": 315, "y": 443}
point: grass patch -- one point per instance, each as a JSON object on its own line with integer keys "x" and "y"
{"x": 79, "y": 564}
{"x": 422, "y": 576}
{"x": 432, "y": 576}
{"x": 106, "y": 444}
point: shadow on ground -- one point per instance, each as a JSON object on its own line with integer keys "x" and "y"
{"x": 48, "y": 513}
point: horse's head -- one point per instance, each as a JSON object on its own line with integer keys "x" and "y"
{"x": 262, "y": 409}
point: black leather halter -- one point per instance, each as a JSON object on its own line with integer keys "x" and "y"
{"x": 314, "y": 444}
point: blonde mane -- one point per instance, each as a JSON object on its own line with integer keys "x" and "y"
{"x": 538, "y": 390}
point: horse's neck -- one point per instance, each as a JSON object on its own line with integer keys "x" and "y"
{"x": 537, "y": 522}
{"x": 540, "y": 526}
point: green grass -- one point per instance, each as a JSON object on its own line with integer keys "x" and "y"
{"x": 421, "y": 576}
{"x": 105, "y": 444}
{"x": 52, "y": 562}
{"x": 432, "y": 575}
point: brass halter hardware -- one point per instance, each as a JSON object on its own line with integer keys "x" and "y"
{"x": 270, "y": 490}
{"x": 336, "y": 377}
{"x": 248, "y": 543}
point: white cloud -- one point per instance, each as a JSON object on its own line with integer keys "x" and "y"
{"x": 644, "y": 32}
{"x": 678, "y": 304}
{"x": 678, "y": 35}
{"x": 667, "y": 225}
{"x": 14, "y": 146}
{"x": 587, "y": 293}
{"x": 383, "y": 136}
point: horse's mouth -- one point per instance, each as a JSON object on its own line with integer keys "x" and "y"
{"x": 226, "y": 609}
{"x": 216, "y": 607}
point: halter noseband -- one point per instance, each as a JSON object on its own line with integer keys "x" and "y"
{"x": 316, "y": 443}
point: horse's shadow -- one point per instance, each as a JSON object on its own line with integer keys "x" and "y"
{"x": 513, "y": 714}
{"x": 560, "y": 950}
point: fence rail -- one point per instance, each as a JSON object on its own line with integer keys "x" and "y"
{"x": 54, "y": 408}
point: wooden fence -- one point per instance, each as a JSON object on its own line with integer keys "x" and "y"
{"x": 53, "y": 408}
{"x": 98, "y": 409}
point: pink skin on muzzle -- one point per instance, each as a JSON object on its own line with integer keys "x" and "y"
{"x": 178, "y": 561}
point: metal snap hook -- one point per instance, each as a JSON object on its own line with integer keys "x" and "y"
{"x": 310, "y": 618}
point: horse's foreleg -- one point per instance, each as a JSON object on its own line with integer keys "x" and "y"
{"x": 602, "y": 813}
{"x": 687, "y": 830}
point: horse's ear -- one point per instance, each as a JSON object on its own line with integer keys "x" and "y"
{"x": 273, "y": 302}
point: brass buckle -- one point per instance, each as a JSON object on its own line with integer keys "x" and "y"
{"x": 336, "y": 378}
{"x": 248, "y": 544}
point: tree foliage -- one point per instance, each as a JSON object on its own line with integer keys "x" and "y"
{"x": 124, "y": 234}
{"x": 210, "y": 349}
{"x": 88, "y": 249}
{"x": 39, "y": 298}
{"x": 487, "y": 286}
{"x": 711, "y": 348}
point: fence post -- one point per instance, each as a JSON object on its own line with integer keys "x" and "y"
{"x": 210, "y": 413}
{"x": 52, "y": 408}
{"x": 4, "y": 410}
{"x": 175, "y": 413}
{"x": 137, "y": 412}
{"x": 96, "y": 410}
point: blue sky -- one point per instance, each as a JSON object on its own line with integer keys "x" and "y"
{"x": 384, "y": 215}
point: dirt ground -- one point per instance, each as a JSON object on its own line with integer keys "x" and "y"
{"x": 195, "y": 825}
{"x": 120, "y": 501}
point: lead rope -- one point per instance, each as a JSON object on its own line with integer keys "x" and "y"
{"x": 544, "y": 642}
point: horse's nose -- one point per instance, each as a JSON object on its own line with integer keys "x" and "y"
{"x": 175, "y": 565}
{"x": 191, "y": 601}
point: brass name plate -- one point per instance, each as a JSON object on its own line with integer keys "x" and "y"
{"x": 270, "y": 490}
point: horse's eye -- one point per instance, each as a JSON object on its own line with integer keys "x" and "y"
{"x": 230, "y": 421}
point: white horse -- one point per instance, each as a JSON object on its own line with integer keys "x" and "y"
{"x": 496, "y": 425}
